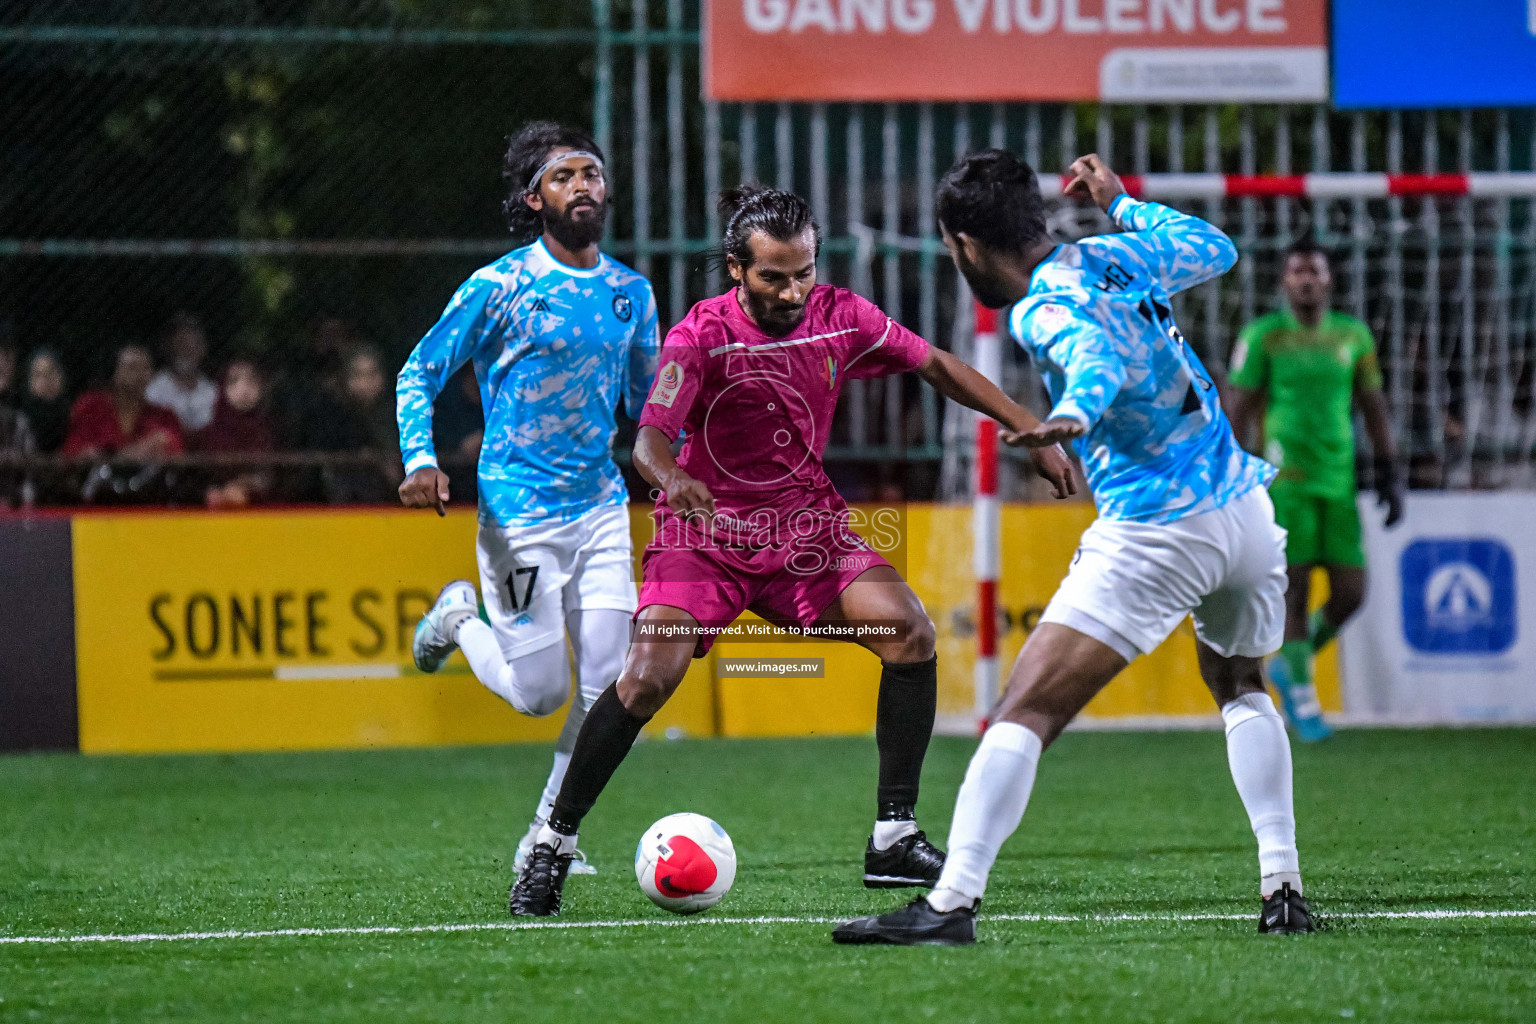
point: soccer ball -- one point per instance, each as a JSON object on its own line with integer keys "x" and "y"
{"x": 685, "y": 863}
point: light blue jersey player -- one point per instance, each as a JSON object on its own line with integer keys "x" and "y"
{"x": 1185, "y": 524}
{"x": 558, "y": 334}
{"x": 1157, "y": 447}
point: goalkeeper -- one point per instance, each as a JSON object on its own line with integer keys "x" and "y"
{"x": 1308, "y": 366}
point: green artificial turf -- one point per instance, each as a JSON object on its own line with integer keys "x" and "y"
{"x": 1119, "y": 824}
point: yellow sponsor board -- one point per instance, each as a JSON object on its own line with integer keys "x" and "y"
{"x": 292, "y": 630}
{"x": 281, "y": 630}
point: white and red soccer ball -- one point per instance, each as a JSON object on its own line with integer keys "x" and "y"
{"x": 685, "y": 863}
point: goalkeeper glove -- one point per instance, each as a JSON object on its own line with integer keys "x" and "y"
{"x": 1389, "y": 492}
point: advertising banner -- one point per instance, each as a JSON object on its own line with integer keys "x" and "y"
{"x": 292, "y": 630}
{"x": 1112, "y": 50}
{"x": 1448, "y": 630}
{"x": 281, "y": 630}
{"x": 1426, "y": 53}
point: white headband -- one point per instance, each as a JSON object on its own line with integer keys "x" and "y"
{"x": 533, "y": 182}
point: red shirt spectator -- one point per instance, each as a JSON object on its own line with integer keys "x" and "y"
{"x": 118, "y": 421}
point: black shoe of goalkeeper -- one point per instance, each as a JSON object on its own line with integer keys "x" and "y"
{"x": 910, "y": 860}
{"x": 1285, "y": 913}
{"x": 916, "y": 924}
{"x": 538, "y": 888}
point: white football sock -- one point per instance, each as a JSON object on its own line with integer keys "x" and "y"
{"x": 552, "y": 787}
{"x": 599, "y": 639}
{"x": 988, "y": 810}
{"x": 561, "y": 843}
{"x": 536, "y": 683}
{"x": 1260, "y": 757}
{"x": 890, "y": 832}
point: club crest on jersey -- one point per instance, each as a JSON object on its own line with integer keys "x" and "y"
{"x": 622, "y": 307}
{"x": 668, "y": 381}
{"x": 1051, "y": 317}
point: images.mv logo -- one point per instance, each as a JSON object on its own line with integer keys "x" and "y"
{"x": 1459, "y": 596}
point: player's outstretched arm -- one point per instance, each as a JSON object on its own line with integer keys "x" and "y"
{"x": 654, "y": 461}
{"x": 961, "y": 383}
{"x": 1093, "y": 372}
{"x": 1054, "y": 431}
{"x": 1177, "y": 248}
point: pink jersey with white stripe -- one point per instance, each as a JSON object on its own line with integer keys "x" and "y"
{"x": 757, "y": 409}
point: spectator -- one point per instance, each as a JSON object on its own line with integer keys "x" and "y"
{"x": 119, "y": 419}
{"x": 305, "y": 395}
{"x": 181, "y": 386}
{"x": 363, "y": 421}
{"x": 15, "y": 434}
{"x": 8, "y": 395}
{"x": 240, "y": 425}
{"x": 44, "y": 402}
{"x": 367, "y": 419}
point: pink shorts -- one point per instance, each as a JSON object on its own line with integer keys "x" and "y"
{"x": 715, "y": 585}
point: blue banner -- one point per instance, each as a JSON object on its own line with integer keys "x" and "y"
{"x": 1430, "y": 53}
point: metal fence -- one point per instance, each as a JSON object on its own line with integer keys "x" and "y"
{"x": 270, "y": 162}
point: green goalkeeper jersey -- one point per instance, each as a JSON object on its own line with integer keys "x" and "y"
{"x": 1309, "y": 375}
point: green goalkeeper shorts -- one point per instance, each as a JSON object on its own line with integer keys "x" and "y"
{"x": 1320, "y": 529}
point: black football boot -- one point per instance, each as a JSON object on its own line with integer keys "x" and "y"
{"x": 1285, "y": 913}
{"x": 910, "y": 860}
{"x": 536, "y": 893}
{"x": 916, "y": 924}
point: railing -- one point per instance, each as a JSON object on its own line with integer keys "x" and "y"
{"x": 361, "y": 477}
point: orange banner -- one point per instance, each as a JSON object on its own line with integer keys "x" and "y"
{"x": 1112, "y": 50}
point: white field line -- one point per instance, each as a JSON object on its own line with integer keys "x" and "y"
{"x": 691, "y": 922}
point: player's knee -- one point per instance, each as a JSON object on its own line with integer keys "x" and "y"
{"x": 918, "y": 644}
{"x": 544, "y": 702}
{"x": 540, "y": 681}
{"x": 645, "y": 686}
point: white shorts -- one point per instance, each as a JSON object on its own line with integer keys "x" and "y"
{"x": 1225, "y": 567}
{"x": 532, "y": 576}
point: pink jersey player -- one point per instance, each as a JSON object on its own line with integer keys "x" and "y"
{"x": 748, "y": 520}
{"x": 757, "y": 410}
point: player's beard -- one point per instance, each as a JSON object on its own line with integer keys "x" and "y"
{"x": 983, "y": 288}
{"x": 573, "y": 231}
{"x": 774, "y": 317}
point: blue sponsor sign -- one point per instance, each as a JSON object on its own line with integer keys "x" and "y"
{"x": 1459, "y": 596}
{"x": 1429, "y": 53}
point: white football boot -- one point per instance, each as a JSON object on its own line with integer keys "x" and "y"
{"x": 579, "y": 865}
{"x": 434, "y": 640}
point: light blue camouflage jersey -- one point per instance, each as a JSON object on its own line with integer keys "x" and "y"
{"x": 554, "y": 348}
{"x": 1097, "y": 322}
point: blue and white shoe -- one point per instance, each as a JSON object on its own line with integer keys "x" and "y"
{"x": 1300, "y": 703}
{"x": 434, "y": 640}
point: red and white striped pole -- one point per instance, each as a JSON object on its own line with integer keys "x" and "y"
{"x": 1327, "y": 185}
{"x": 986, "y": 520}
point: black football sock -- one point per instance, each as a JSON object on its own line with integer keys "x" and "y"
{"x": 904, "y": 713}
{"x": 604, "y": 740}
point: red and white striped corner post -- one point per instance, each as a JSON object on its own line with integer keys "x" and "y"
{"x": 986, "y": 520}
